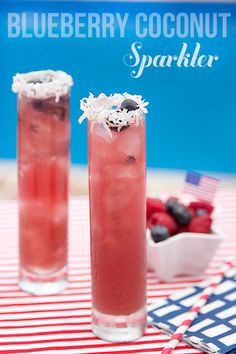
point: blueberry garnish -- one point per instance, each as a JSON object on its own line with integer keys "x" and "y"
{"x": 159, "y": 233}
{"x": 129, "y": 105}
{"x": 200, "y": 212}
{"x": 181, "y": 214}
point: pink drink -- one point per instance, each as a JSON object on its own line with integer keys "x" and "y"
{"x": 117, "y": 222}
{"x": 43, "y": 171}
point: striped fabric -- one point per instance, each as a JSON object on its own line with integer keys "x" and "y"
{"x": 61, "y": 324}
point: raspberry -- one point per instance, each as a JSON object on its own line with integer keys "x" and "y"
{"x": 191, "y": 212}
{"x": 163, "y": 219}
{"x": 200, "y": 224}
{"x": 201, "y": 204}
{"x": 154, "y": 205}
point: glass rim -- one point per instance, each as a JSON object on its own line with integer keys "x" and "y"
{"x": 42, "y": 84}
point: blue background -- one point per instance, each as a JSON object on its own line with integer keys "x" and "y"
{"x": 192, "y": 120}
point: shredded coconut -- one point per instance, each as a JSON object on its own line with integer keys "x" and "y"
{"x": 106, "y": 110}
{"x": 42, "y": 84}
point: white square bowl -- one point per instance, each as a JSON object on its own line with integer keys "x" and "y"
{"x": 186, "y": 253}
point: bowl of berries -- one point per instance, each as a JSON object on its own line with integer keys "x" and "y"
{"x": 181, "y": 237}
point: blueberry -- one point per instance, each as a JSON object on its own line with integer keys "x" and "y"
{"x": 50, "y": 107}
{"x": 38, "y": 105}
{"x": 35, "y": 81}
{"x": 34, "y": 128}
{"x": 181, "y": 215}
{"x": 61, "y": 113}
{"x": 129, "y": 105}
{"x": 159, "y": 233}
{"x": 200, "y": 212}
{"x": 171, "y": 204}
{"x": 131, "y": 159}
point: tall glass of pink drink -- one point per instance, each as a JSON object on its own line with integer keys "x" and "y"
{"x": 117, "y": 220}
{"x": 43, "y": 171}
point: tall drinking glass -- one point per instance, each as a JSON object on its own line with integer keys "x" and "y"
{"x": 117, "y": 218}
{"x": 43, "y": 171}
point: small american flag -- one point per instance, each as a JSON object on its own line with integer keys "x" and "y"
{"x": 201, "y": 186}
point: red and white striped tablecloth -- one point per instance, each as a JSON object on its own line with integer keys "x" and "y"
{"x": 61, "y": 324}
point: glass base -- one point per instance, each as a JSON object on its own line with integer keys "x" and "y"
{"x": 38, "y": 285}
{"x": 119, "y": 328}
